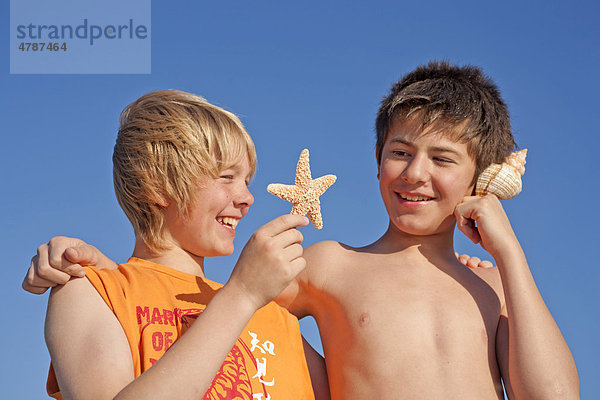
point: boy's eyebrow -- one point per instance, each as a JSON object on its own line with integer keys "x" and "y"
{"x": 434, "y": 148}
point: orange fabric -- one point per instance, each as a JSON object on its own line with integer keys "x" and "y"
{"x": 156, "y": 305}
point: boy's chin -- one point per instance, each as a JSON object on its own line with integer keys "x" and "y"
{"x": 423, "y": 229}
{"x": 227, "y": 253}
{"x": 222, "y": 253}
{"x": 214, "y": 252}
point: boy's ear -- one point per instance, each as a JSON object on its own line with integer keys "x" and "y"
{"x": 162, "y": 200}
{"x": 474, "y": 184}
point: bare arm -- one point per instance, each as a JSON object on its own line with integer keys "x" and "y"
{"x": 77, "y": 316}
{"x": 540, "y": 365}
{"x": 62, "y": 257}
{"x": 533, "y": 356}
{"x": 59, "y": 260}
{"x": 318, "y": 372}
{"x": 82, "y": 331}
{"x": 301, "y": 299}
{"x": 92, "y": 359}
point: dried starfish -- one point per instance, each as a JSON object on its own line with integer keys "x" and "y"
{"x": 304, "y": 195}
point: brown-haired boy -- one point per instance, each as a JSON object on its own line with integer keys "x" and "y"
{"x": 181, "y": 169}
{"x": 401, "y": 318}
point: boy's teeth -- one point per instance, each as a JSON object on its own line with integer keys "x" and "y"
{"x": 231, "y": 222}
{"x": 414, "y": 198}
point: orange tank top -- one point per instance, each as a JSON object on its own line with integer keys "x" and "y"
{"x": 156, "y": 304}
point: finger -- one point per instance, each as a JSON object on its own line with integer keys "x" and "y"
{"x": 42, "y": 268}
{"x": 74, "y": 258}
{"x": 33, "y": 289}
{"x": 464, "y": 258}
{"x": 83, "y": 255}
{"x": 486, "y": 264}
{"x": 75, "y": 270}
{"x": 55, "y": 254}
{"x": 56, "y": 248}
{"x": 70, "y": 259}
{"x": 293, "y": 252}
{"x": 289, "y": 237}
{"x": 468, "y": 199}
{"x": 467, "y": 226}
{"x": 35, "y": 280}
{"x": 473, "y": 262}
{"x": 283, "y": 223}
{"x": 34, "y": 284}
{"x": 297, "y": 265}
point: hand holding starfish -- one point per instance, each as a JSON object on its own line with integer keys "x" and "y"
{"x": 304, "y": 194}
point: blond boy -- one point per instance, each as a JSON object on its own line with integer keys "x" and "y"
{"x": 401, "y": 318}
{"x": 181, "y": 171}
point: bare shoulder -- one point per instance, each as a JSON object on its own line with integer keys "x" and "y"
{"x": 320, "y": 258}
{"x": 74, "y": 309}
{"x": 329, "y": 254}
{"x": 77, "y": 293}
{"x": 324, "y": 251}
{"x": 82, "y": 330}
{"x": 302, "y": 296}
{"x": 491, "y": 276}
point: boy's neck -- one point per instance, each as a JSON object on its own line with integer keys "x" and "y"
{"x": 436, "y": 247}
{"x": 174, "y": 257}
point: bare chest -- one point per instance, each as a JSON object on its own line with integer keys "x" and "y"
{"x": 426, "y": 298}
{"x": 408, "y": 324}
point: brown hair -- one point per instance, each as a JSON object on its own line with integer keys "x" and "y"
{"x": 168, "y": 141}
{"x": 463, "y": 98}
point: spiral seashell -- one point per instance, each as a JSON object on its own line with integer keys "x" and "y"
{"x": 503, "y": 180}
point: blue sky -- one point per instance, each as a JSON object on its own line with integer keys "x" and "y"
{"x": 310, "y": 75}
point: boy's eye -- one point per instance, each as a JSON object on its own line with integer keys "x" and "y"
{"x": 226, "y": 176}
{"x": 442, "y": 160}
{"x": 400, "y": 153}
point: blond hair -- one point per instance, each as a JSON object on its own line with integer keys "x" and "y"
{"x": 168, "y": 141}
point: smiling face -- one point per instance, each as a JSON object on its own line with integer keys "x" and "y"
{"x": 208, "y": 228}
{"x": 423, "y": 175}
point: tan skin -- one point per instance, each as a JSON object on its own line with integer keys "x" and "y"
{"x": 402, "y": 318}
{"x": 82, "y": 331}
{"x": 419, "y": 324}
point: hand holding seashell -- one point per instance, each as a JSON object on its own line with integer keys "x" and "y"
{"x": 484, "y": 221}
{"x": 503, "y": 180}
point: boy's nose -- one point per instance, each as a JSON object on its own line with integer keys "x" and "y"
{"x": 415, "y": 171}
{"x": 243, "y": 197}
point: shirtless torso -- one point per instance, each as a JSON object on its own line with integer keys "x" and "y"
{"x": 396, "y": 326}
